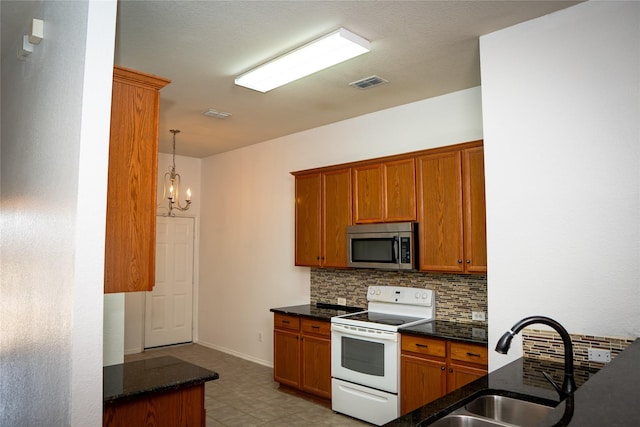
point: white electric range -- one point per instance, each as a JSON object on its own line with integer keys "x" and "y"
{"x": 365, "y": 351}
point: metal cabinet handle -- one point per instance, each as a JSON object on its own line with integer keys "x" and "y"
{"x": 472, "y": 354}
{"x": 451, "y": 370}
{"x": 422, "y": 345}
{"x": 315, "y": 327}
{"x": 286, "y": 321}
{"x": 468, "y": 261}
{"x": 442, "y": 368}
{"x": 459, "y": 261}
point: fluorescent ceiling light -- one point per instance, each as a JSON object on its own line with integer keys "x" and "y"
{"x": 322, "y": 53}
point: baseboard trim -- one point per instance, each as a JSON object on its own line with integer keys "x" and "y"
{"x": 236, "y": 353}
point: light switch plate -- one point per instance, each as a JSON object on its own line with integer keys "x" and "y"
{"x": 342, "y": 301}
{"x": 599, "y": 355}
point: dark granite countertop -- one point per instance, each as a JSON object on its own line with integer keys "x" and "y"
{"x": 475, "y": 332}
{"x": 320, "y": 311}
{"x": 606, "y": 398}
{"x": 133, "y": 379}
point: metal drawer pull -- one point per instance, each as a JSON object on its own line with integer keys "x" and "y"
{"x": 315, "y": 327}
{"x": 422, "y": 345}
{"x": 472, "y": 354}
{"x": 286, "y": 321}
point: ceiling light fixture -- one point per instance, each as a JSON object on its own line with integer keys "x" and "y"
{"x": 322, "y": 53}
{"x": 172, "y": 179}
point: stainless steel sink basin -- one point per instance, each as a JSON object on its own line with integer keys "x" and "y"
{"x": 454, "y": 420}
{"x": 508, "y": 410}
{"x": 493, "y": 410}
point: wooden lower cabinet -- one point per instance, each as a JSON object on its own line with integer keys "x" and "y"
{"x": 181, "y": 407}
{"x": 433, "y": 367}
{"x": 302, "y": 354}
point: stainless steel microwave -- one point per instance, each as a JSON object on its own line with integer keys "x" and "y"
{"x": 387, "y": 246}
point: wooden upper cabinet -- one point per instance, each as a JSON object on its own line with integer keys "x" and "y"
{"x": 367, "y": 193}
{"x": 385, "y": 192}
{"x": 440, "y": 207}
{"x": 308, "y": 223}
{"x": 132, "y": 179}
{"x": 336, "y": 215}
{"x": 451, "y": 211}
{"x": 400, "y": 190}
{"x": 475, "y": 223}
{"x": 323, "y": 211}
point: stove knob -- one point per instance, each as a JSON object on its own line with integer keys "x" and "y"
{"x": 378, "y": 291}
{"x": 417, "y": 294}
{"x": 424, "y": 295}
{"x": 372, "y": 291}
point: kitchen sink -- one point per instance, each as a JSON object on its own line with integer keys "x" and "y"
{"x": 493, "y": 410}
{"x": 455, "y": 420}
{"x": 508, "y": 410}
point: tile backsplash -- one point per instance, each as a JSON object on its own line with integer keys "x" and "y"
{"x": 547, "y": 345}
{"x": 456, "y": 295}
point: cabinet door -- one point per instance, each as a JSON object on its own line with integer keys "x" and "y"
{"x": 316, "y": 366}
{"x": 367, "y": 194}
{"x": 286, "y": 358}
{"x": 132, "y": 179}
{"x": 400, "y": 190}
{"x": 440, "y": 212}
{"x": 475, "y": 229}
{"x": 336, "y": 215}
{"x": 422, "y": 381}
{"x": 308, "y": 211}
{"x": 460, "y": 375}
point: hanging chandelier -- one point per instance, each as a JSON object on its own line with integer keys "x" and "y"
{"x": 172, "y": 180}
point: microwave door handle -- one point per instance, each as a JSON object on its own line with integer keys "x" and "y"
{"x": 396, "y": 255}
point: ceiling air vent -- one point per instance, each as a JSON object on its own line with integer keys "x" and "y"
{"x": 368, "y": 82}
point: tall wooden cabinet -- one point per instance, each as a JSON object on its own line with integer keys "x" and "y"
{"x": 131, "y": 193}
{"x": 384, "y": 192}
{"x": 323, "y": 211}
{"x": 451, "y": 211}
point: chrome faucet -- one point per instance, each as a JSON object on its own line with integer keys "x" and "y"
{"x": 569, "y": 384}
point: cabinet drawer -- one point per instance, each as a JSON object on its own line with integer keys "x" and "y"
{"x": 428, "y": 346}
{"x": 469, "y": 353}
{"x": 282, "y": 321}
{"x": 316, "y": 327}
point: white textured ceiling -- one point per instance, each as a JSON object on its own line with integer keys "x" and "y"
{"x": 423, "y": 48}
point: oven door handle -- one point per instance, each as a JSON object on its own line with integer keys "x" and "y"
{"x": 365, "y": 333}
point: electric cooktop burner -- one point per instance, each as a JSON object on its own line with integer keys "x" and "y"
{"x": 382, "y": 318}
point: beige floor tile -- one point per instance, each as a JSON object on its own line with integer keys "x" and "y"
{"x": 245, "y": 395}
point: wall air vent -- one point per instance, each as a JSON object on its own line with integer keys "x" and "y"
{"x": 368, "y": 82}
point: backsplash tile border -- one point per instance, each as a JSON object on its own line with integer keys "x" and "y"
{"x": 456, "y": 294}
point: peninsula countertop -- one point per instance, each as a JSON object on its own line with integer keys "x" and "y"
{"x": 607, "y": 398}
{"x": 145, "y": 377}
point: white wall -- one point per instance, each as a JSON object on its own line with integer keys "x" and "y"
{"x": 189, "y": 170}
{"x": 561, "y": 110}
{"x": 247, "y": 232}
{"x": 55, "y": 136}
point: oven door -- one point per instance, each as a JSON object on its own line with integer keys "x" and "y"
{"x": 365, "y": 356}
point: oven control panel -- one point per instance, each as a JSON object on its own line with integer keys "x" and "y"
{"x": 400, "y": 295}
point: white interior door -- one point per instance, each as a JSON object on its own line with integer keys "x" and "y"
{"x": 169, "y": 307}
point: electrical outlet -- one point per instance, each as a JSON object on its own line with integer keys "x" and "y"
{"x": 342, "y": 301}
{"x": 599, "y": 355}
{"x": 478, "y": 315}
